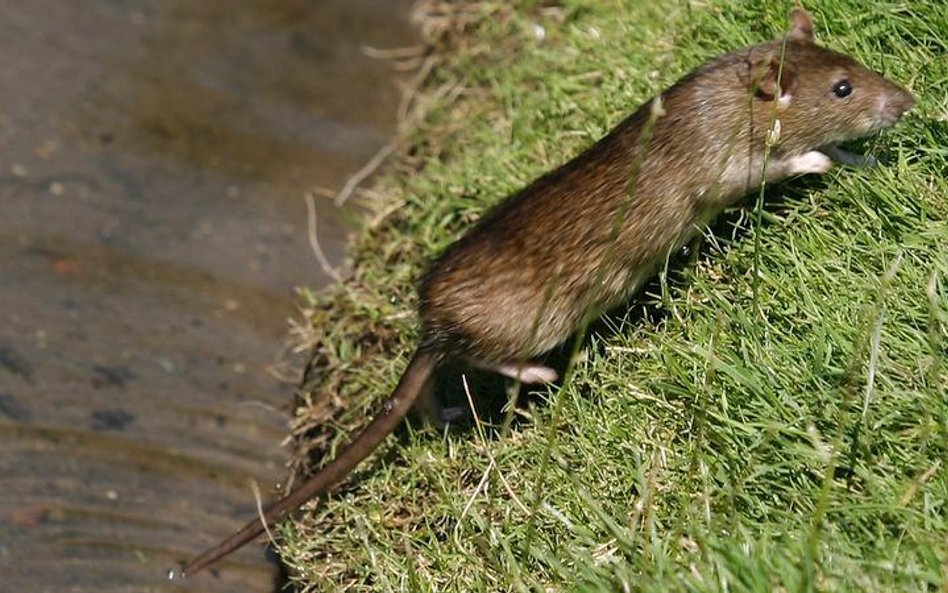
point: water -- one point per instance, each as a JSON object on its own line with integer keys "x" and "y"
{"x": 153, "y": 159}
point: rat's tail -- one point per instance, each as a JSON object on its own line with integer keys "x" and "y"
{"x": 412, "y": 383}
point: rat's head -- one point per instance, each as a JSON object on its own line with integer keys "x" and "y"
{"x": 820, "y": 96}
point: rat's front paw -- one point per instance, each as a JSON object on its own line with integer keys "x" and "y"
{"x": 810, "y": 162}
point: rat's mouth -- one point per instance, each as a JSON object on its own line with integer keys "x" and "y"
{"x": 850, "y": 159}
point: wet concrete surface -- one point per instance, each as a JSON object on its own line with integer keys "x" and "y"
{"x": 154, "y": 155}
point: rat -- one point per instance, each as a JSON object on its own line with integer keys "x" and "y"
{"x": 584, "y": 237}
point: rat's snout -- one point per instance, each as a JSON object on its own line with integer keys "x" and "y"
{"x": 893, "y": 104}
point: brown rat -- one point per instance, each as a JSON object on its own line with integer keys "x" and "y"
{"x": 585, "y": 236}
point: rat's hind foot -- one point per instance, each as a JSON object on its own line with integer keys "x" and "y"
{"x": 527, "y": 372}
{"x": 430, "y": 411}
{"x": 439, "y": 417}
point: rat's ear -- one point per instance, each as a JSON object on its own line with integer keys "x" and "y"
{"x": 801, "y": 25}
{"x": 764, "y": 75}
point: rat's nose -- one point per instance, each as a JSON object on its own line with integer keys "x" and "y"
{"x": 894, "y": 103}
{"x": 901, "y": 101}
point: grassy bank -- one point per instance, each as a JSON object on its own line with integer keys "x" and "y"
{"x": 784, "y": 431}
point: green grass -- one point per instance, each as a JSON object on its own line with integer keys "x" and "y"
{"x": 721, "y": 433}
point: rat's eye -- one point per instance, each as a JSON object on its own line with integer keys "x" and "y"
{"x": 842, "y": 88}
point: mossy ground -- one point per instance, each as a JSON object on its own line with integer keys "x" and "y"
{"x": 784, "y": 430}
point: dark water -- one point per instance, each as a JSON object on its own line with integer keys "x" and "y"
{"x": 153, "y": 159}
